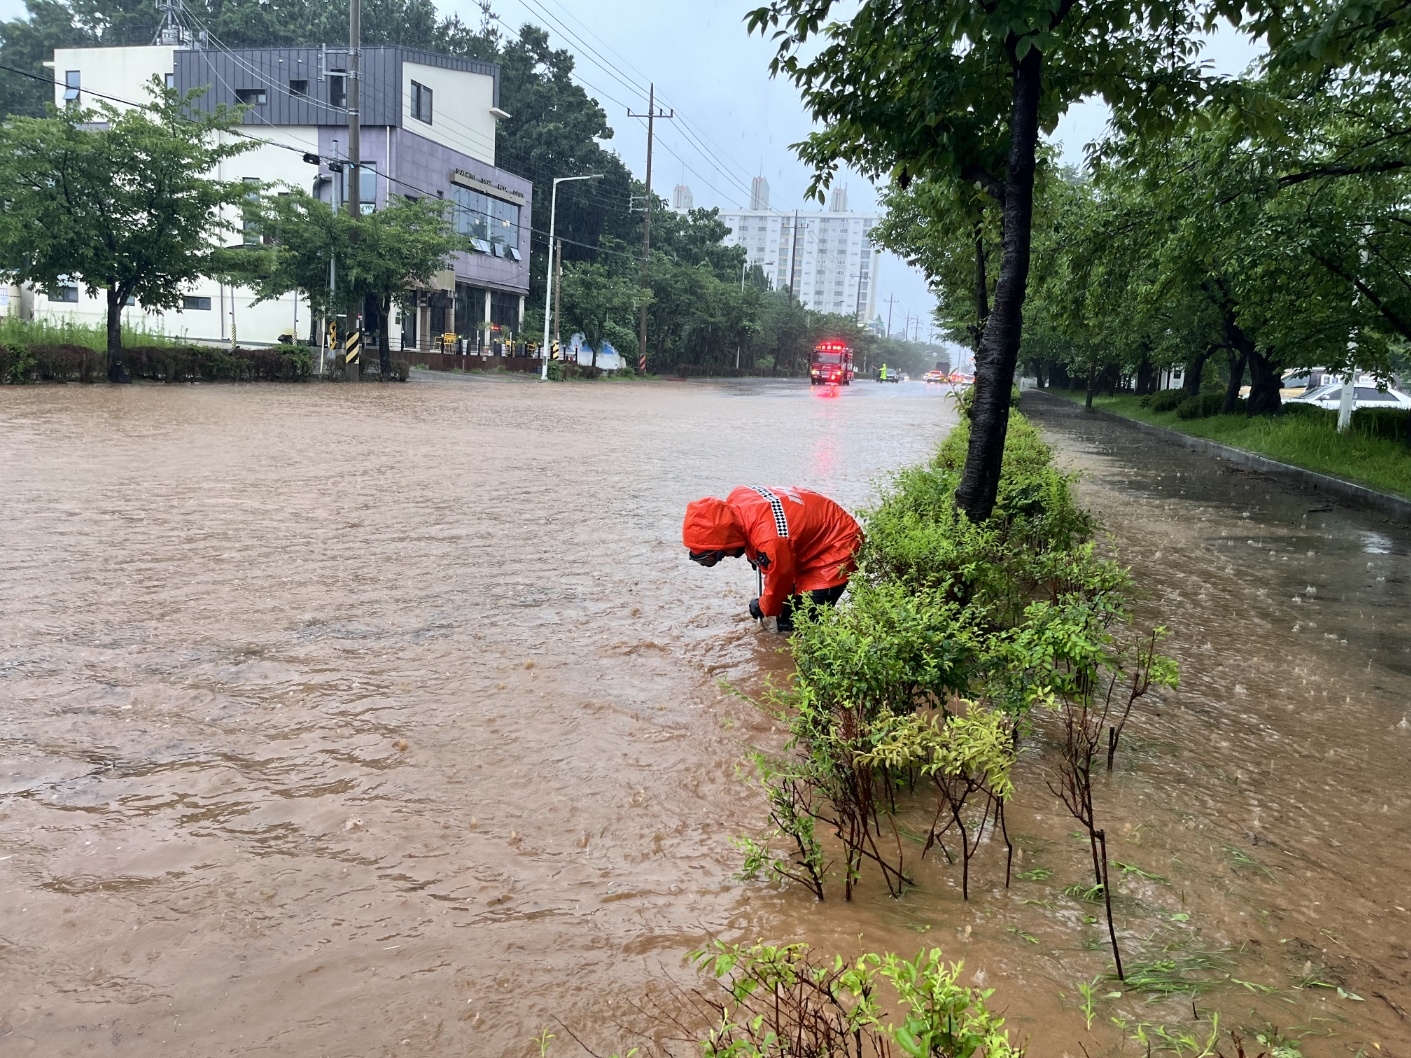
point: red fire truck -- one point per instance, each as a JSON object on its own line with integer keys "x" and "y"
{"x": 830, "y": 364}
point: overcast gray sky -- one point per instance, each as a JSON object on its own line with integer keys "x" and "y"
{"x": 737, "y": 121}
{"x": 733, "y": 121}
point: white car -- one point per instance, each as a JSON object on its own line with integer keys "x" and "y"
{"x": 1329, "y": 396}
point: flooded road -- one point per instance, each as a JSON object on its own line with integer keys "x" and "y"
{"x": 393, "y": 721}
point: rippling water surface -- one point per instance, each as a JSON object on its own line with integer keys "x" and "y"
{"x": 392, "y": 720}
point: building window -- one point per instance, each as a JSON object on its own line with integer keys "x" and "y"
{"x": 250, "y": 211}
{"x": 421, "y": 102}
{"x": 472, "y": 214}
{"x": 504, "y": 222}
{"x": 170, "y": 80}
{"x": 195, "y": 304}
{"x": 337, "y": 90}
{"x": 71, "y": 83}
{"x": 251, "y": 96}
{"x": 69, "y": 294}
{"x": 299, "y": 87}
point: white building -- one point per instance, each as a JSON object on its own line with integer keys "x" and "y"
{"x": 297, "y": 109}
{"x": 826, "y": 257}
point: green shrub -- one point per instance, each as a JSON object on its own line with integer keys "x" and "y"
{"x": 67, "y": 363}
{"x": 1311, "y": 412}
{"x": 1205, "y": 405}
{"x": 924, "y": 679}
{"x": 556, "y": 371}
{"x": 1167, "y": 400}
{"x": 1392, "y": 424}
{"x": 157, "y": 363}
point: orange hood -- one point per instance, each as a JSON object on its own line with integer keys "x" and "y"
{"x": 711, "y": 525}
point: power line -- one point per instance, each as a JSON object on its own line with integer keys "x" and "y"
{"x": 494, "y": 147}
{"x": 302, "y": 150}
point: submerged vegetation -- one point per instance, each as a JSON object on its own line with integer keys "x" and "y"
{"x": 958, "y": 642}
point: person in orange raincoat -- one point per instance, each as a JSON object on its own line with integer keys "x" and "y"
{"x": 801, "y": 541}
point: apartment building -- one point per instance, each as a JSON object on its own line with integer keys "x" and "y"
{"x": 826, "y": 257}
{"x": 428, "y": 128}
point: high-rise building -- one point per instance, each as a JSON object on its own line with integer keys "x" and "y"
{"x": 682, "y": 200}
{"x": 759, "y": 193}
{"x": 827, "y": 258}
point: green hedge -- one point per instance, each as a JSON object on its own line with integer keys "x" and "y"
{"x": 157, "y": 363}
{"x": 1392, "y": 424}
{"x": 1206, "y": 405}
{"x": 1167, "y": 400}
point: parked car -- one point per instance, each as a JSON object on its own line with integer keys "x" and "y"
{"x": 1368, "y": 395}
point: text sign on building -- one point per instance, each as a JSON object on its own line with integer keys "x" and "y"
{"x": 475, "y": 183}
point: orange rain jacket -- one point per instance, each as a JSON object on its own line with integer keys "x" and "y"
{"x": 801, "y": 540}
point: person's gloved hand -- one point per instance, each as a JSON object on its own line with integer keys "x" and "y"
{"x": 755, "y": 611}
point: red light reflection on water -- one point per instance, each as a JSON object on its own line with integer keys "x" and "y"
{"x": 828, "y": 392}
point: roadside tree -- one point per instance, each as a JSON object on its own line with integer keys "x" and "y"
{"x": 602, "y": 304}
{"x": 117, "y": 201}
{"x": 381, "y": 257}
{"x": 960, "y": 91}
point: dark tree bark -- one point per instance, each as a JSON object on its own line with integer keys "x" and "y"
{"x": 1058, "y": 375}
{"x": 1146, "y": 377}
{"x": 1264, "y": 379}
{"x": 1195, "y": 370}
{"x": 982, "y": 285}
{"x": 1092, "y": 387}
{"x": 999, "y": 345}
{"x": 117, "y": 298}
{"x": 1110, "y": 379}
{"x": 1232, "y": 390}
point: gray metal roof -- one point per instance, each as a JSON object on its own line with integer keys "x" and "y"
{"x": 277, "y": 71}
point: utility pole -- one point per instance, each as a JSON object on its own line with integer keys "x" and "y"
{"x": 890, "y": 298}
{"x": 558, "y": 294}
{"x": 651, "y": 115}
{"x": 355, "y": 175}
{"x": 549, "y": 292}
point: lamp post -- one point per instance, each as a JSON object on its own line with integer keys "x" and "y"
{"x": 549, "y": 272}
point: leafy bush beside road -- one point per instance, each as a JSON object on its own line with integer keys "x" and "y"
{"x": 156, "y": 363}
{"x": 912, "y": 699}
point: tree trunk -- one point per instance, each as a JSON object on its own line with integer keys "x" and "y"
{"x": 1058, "y": 375}
{"x": 1264, "y": 382}
{"x": 1092, "y": 385}
{"x": 999, "y": 345}
{"x": 1194, "y": 371}
{"x": 117, "y": 298}
{"x": 1232, "y": 391}
{"x": 982, "y": 286}
{"x": 1241, "y": 346}
{"x": 384, "y": 338}
{"x": 1146, "y": 377}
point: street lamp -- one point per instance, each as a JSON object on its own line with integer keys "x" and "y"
{"x": 549, "y": 272}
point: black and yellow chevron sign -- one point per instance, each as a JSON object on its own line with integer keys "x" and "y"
{"x": 352, "y": 352}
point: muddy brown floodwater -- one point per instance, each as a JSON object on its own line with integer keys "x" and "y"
{"x": 393, "y": 721}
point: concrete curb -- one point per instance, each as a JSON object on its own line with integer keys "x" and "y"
{"x": 1344, "y": 490}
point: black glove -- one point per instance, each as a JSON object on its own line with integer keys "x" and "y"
{"x": 755, "y": 611}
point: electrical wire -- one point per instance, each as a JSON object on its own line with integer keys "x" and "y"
{"x": 302, "y": 150}
{"x": 376, "y": 96}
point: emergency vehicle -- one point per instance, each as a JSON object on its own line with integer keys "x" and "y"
{"x": 830, "y": 364}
